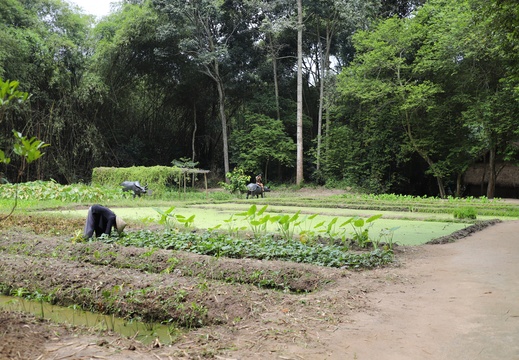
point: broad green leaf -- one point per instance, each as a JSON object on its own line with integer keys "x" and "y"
{"x": 319, "y": 225}
{"x": 3, "y": 158}
{"x": 373, "y": 218}
{"x": 284, "y": 219}
{"x": 295, "y": 216}
{"x": 262, "y": 210}
{"x": 359, "y": 222}
{"x": 252, "y": 210}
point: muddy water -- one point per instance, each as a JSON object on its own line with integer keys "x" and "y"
{"x": 144, "y": 332}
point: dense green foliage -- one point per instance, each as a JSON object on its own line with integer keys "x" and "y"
{"x": 50, "y": 190}
{"x": 443, "y": 84}
{"x": 393, "y": 102}
{"x": 266, "y": 248}
{"x": 237, "y": 181}
{"x": 28, "y": 149}
{"x": 259, "y": 142}
{"x": 161, "y": 178}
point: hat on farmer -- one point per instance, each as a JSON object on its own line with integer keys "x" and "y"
{"x": 120, "y": 224}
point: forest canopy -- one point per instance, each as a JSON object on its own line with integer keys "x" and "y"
{"x": 398, "y": 96}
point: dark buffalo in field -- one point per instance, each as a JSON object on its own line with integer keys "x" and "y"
{"x": 134, "y": 186}
{"x": 256, "y": 190}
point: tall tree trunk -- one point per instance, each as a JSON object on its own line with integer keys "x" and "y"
{"x": 423, "y": 154}
{"x": 441, "y": 187}
{"x": 221, "y": 96}
{"x": 458, "y": 184}
{"x": 321, "y": 102}
{"x": 325, "y": 68}
{"x": 483, "y": 175}
{"x": 193, "y": 149}
{"x": 276, "y": 86}
{"x": 491, "y": 187}
{"x": 213, "y": 71}
{"x": 265, "y": 173}
{"x": 299, "y": 157}
{"x": 327, "y": 137}
{"x": 273, "y": 54}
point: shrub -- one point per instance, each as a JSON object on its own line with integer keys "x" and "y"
{"x": 157, "y": 177}
{"x": 237, "y": 181}
{"x": 465, "y": 213}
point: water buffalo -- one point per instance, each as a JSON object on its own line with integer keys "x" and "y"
{"x": 134, "y": 186}
{"x": 255, "y": 189}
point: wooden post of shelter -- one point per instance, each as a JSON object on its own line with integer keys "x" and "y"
{"x": 205, "y": 181}
{"x": 186, "y": 171}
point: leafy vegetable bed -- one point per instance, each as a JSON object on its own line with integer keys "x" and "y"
{"x": 264, "y": 248}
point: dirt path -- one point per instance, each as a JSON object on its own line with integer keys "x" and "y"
{"x": 461, "y": 301}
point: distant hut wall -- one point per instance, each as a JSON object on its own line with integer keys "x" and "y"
{"x": 507, "y": 181}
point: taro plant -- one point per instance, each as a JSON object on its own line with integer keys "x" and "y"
{"x": 287, "y": 224}
{"x": 385, "y": 238}
{"x": 29, "y": 149}
{"x": 333, "y": 231}
{"x": 232, "y": 228}
{"x": 361, "y": 229}
{"x": 187, "y": 222}
{"x": 328, "y": 229}
{"x": 306, "y": 232}
{"x": 166, "y": 217}
{"x": 170, "y": 220}
{"x": 257, "y": 221}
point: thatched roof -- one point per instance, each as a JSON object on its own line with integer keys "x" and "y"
{"x": 507, "y": 175}
{"x": 194, "y": 171}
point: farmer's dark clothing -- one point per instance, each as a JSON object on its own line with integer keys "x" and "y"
{"x": 100, "y": 220}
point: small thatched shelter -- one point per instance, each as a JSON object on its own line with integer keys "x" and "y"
{"x": 189, "y": 171}
{"x": 507, "y": 181}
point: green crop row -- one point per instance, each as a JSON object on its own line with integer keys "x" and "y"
{"x": 266, "y": 247}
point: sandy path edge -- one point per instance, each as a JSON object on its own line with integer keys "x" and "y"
{"x": 457, "y": 301}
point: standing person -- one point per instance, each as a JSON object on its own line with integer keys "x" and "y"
{"x": 100, "y": 220}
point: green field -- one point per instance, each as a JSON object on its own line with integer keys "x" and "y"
{"x": 415, "y": 220}
{"x": 411, "y": 228}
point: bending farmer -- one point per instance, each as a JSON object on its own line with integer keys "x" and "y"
{"x": 100, "y": 220}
